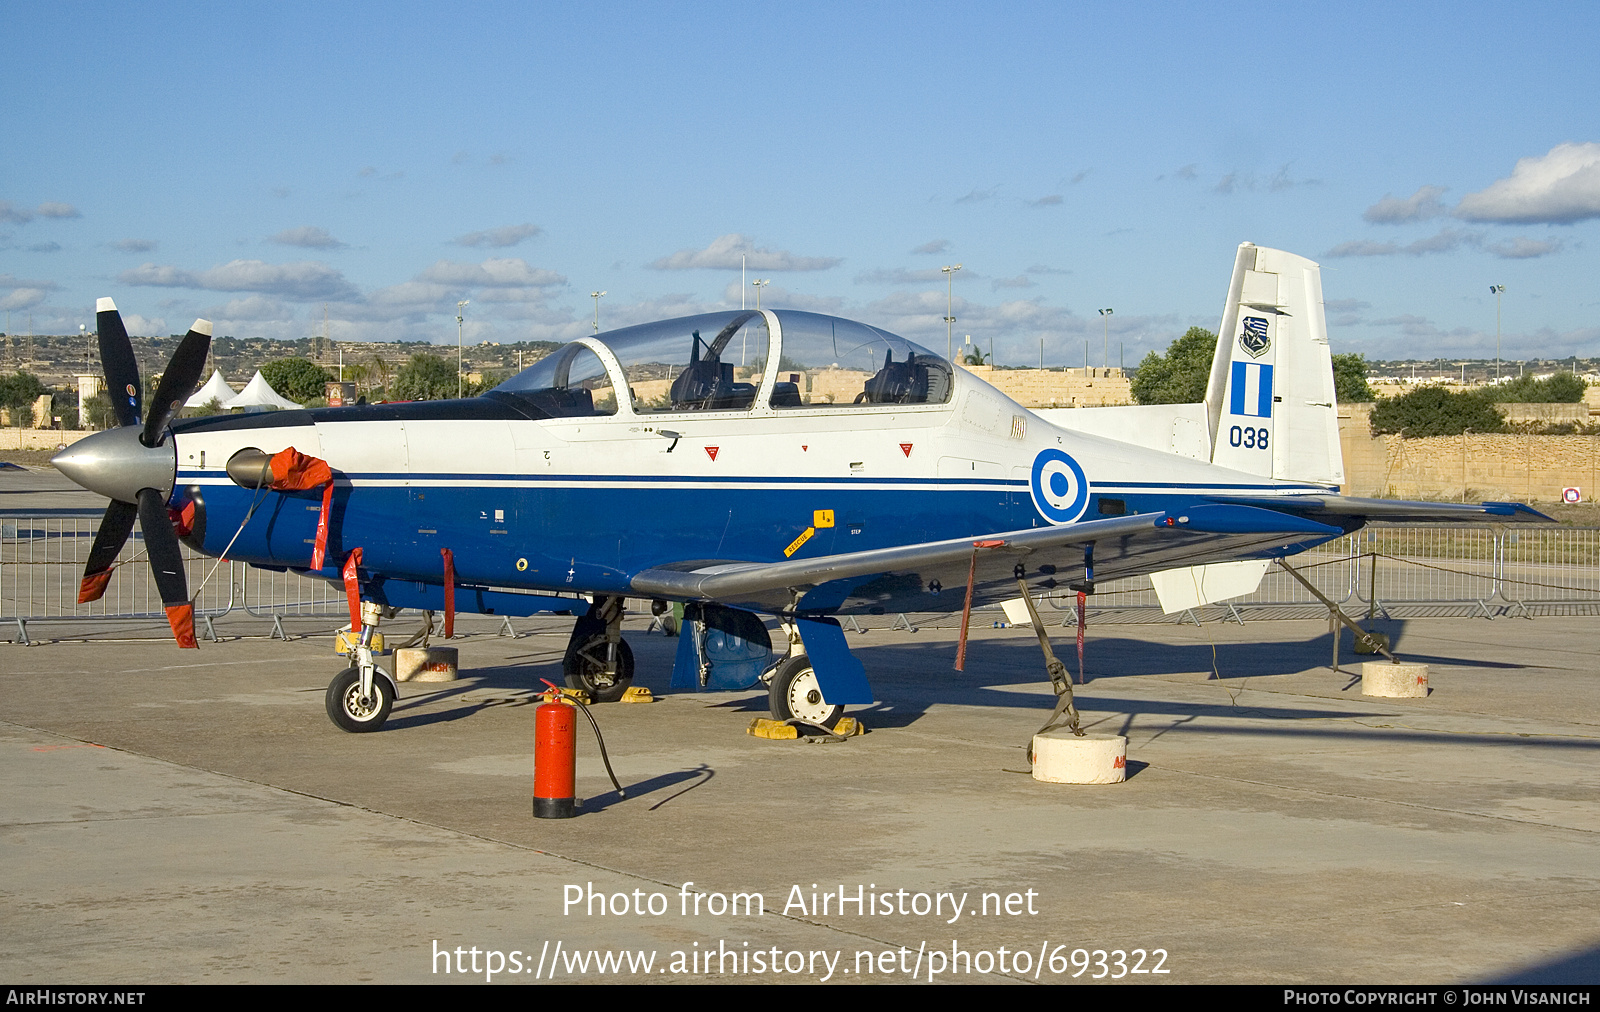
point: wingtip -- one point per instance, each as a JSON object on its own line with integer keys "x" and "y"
{"x": 202, "y": 327}
{"x": 104, "y": 305}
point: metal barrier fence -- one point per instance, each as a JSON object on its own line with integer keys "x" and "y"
{"x": 1411, "y": 569}
{"x": 41, "y": 563}
{"x": 1383, "y": 569}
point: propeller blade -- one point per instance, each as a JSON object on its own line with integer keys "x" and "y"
{"x": 166, "y": 564}
{"x": 115, "y": 527}
{"x": 178, "y": 382}
{"x": 122, "y": 369}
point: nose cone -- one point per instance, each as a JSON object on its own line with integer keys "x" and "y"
{"x": 117, "y": 465}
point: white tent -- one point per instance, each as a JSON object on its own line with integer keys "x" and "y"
{"x": 216, "y": 389}
{"x": 258, "y": 394}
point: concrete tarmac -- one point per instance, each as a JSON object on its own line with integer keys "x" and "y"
{"x": 194, "y": 816}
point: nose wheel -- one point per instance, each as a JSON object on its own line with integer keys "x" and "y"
{"x": 350, "y": 709}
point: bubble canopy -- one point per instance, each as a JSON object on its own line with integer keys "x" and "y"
{"x": 737, "y": 360}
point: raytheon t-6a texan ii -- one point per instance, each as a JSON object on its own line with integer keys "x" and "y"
{"x": 745, "y": 463}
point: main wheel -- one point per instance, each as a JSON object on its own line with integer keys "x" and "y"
{"x": 585, "y": 668}
{"x": 794, "y": 692}
{"x": 349, "y": 710}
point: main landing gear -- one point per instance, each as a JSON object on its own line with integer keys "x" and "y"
{"x": 795, "y": 693}
{"x": 598, "y": 660}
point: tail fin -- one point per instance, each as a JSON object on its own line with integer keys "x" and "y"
{"x": 1270, "y": 400}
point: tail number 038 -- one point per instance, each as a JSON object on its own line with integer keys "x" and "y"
{"x": 1250, "y": 439}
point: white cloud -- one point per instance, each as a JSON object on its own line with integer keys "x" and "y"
{"x": 49, "y": 209}
{"x": 901, "y": 276}
{"x": 134, "y": 245}
{"x": 494, "y": 272}
{"x": 775, "y": 297}
{"x": 1345, "y": 305}
{"x": 45, "y": 247}
{"x": 1419, "y": 206}
{"x": 499, "y": 238}
{"x": 1521, "y": 248}
{"x": 1020, "y": 281}
{"x": 308, "y": 236}
{"x": 252, "y": 308}
{"x": 725, "y": 251}
{"x": 933, "y": 246}
{"x": 23, "y": 298}
{"x": 144, "y": 326}
{"x": 1558, "y": 188}
{"x": 1444, "y": 241}
{"x": 975, "y": 196}
{"x": 305, "y": 281}
{"x": 1361, "y": 248}
{"x": 1049, "y": 201}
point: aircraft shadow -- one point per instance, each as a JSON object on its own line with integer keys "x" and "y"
{"x": 910, "y": 678}
{"x": 1578, "y": 968}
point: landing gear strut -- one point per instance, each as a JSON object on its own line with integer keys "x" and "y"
{"x": 360, "y": 697}
{"x": 598, "y": 660}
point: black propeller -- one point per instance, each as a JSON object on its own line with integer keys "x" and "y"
{"x": 131, "y": 466}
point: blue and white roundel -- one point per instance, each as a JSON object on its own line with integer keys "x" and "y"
{"x": 1060, "y": 490}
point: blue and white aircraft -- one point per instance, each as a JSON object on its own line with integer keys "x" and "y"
{"x": 744, "y": 463}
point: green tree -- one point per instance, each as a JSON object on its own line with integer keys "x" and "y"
{"x": 1435, "y": 411}
{"x": 98, "y": 412}
{"x": 1350, "y": 379}
{"x": 298, "y": 379}
{"x": 1180, "y": 376}
{"x": 424, "y": 377}
{"x": 17, "y": 394}
{"x": 1562, "y": 388}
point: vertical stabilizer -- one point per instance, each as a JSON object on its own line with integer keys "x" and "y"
{"x": 1270, "y": 399}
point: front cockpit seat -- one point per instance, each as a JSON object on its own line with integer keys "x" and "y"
{"x": 897, "y": 382}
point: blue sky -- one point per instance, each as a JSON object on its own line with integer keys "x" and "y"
{"x": 249, "y": 163}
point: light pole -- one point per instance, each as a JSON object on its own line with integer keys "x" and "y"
{"x": 949, "y": 312}
{"x": 758, "y": 284}
{"x": 597, "y": 296}
{"x": 459, "y": 307}
{"x": 1498, "y": 291}
{"x": 1105, "y": 318}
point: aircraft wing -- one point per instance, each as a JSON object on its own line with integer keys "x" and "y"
{"x": 932, "y": 576}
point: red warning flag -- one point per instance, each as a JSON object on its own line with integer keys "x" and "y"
{"x": 181, "y": 618}
{"x": 293, "y": 471}
{"x": 352, "y": 590}
{"x": 449, "y": 593}
{"x": 93, "y": 586}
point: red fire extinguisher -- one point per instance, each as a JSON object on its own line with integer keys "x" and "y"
{"x": 555, "y": 750}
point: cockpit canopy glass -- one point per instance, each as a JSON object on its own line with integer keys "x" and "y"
{"x": 570, "y": 382}
{"x": 828, "y": 361}
{"x": 716, "y": 361}
{"x": 712, "y": 362}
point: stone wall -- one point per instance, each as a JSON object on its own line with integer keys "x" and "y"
{"x": 1472, "y": 468}
{"x": 1058, "y": 388}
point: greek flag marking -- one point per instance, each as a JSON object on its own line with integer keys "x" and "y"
{"x": 1251, "y": 390}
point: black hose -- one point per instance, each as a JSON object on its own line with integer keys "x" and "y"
{"x": 602, "y": 742}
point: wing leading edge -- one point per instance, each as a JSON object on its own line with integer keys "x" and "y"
{"x": 914, "y": 577}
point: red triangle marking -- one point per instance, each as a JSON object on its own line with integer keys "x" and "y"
{"x": 905, "y": 448}
{"x": 711, "y": 451}
{"x": 804, "y": 447}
